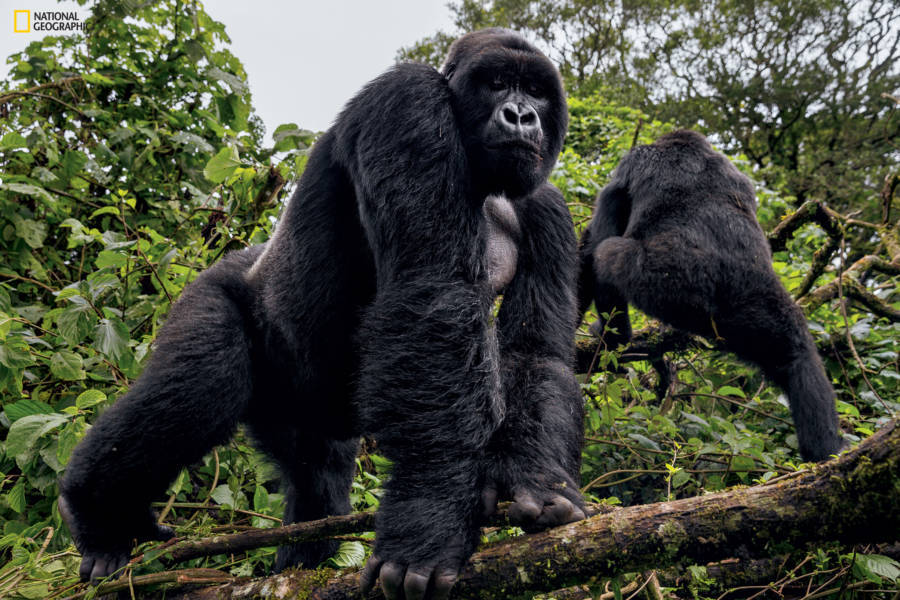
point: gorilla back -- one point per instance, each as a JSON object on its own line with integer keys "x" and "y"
{"x": 675, "y": 234}
{"x": 370, "y": 311}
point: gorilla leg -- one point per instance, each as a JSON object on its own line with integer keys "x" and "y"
{"x": 769, "y": 329}
{"x": 189, "y": 398}
{"x": 661, "y": 276}
{"x": 316, "y": 473}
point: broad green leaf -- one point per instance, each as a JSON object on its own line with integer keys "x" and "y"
{"x": 222, "y": 165}
{"x": 729, "y": 390}
{"x": 89, "y": 398}
{"x": 75, "y": 322}
{"x": 15, "y": 352}
{"x": 31, "y": 231}
{"x": 111, "y": 337}
{"x": 98, "y": 79}
{"x": 22, "y": 408}
{"x": 16, "y": 496}
{"x": 12, "y": 140}
{"x": 222, "y": 495}
{"x": 349, "y": 554}
{"x": 67, "y": 365}
{"x": 109, "y": 258}
{"x": 874, "y": 567}
{"x": 27, "y": 430}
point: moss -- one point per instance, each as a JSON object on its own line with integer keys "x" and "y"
{"x": 673, "y": 536}
{"x": 307, "y": 581}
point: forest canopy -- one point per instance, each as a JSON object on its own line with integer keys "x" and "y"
{"x": 131, "y": 159}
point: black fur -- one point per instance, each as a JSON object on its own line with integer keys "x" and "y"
{"x": 370, "y": 311}
{"x": 675, "y": 234}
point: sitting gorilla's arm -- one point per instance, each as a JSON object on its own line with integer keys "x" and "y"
{"x": 534, "y": 457}
{"x": 427, "y": 387}
{"x": 610, "y": 219}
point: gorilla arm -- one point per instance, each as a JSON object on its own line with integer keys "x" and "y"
{"x": 534, "y": 458}
{"x": 428, "y": 386}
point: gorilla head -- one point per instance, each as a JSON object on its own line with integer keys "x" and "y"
{"x": 511, "y": 108}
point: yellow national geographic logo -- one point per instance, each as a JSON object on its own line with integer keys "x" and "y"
{"x": 26, "y": 21}
{"x": 21, "y": 21}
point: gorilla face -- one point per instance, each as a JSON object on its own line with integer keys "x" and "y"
{"x": 511, "y": 109}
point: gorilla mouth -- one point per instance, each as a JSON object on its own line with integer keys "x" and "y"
{"x": 516, "y": 144}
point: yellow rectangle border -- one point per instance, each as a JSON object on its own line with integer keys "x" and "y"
{"x": 16, "y": 14}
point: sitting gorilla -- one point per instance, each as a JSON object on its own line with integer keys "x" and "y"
{"x": 370, "y": 311}
{"x": 675, "y": 234}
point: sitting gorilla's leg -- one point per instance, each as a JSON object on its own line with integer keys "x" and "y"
{"x": 189, "y": 398}
{"x": 316, "y": 473}
{"x": 534, "y": 457}
{"x": 610, "y": 218}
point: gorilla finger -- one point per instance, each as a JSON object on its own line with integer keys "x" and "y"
{"x": 444, "y": 579}
{"x": 415, "y": 584}
{"x": 163, "y": 533}
{"x": 369, "y": 574}
{"x": 558, "y": 512}
{"x": 392, "y": 580}
{"x": 87, "y": 565}
{"x": 525, "y": 507}
{"x": 488, "y": 501}
{"x": 102, "y": 568}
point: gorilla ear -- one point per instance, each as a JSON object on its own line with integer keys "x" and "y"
{"x": 448, "y": 70}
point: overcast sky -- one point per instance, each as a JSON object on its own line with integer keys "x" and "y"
{"x": 304, "y": 58}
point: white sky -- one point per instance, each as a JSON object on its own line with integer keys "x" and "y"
{"x": 304, "y": 58}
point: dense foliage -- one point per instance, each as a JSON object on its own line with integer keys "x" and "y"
{"x": 131, "y": 159}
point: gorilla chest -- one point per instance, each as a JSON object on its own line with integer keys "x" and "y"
{"x": 503, "y": 236}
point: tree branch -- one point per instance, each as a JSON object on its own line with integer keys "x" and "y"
{"x": 847, "y": 500}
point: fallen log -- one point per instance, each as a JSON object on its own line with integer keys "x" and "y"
{"x": 852, "y": 499}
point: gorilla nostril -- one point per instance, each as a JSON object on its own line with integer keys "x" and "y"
{"x": 529, "y": 117}
{"x": 510, "y": 114}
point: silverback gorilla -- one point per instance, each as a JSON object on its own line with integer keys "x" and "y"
{"x": 675, "y": 234}
{"x": 370, "y": 312}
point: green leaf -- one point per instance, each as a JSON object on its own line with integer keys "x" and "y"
{"x": 75, "y": 321}
{"x": 110, "y": 258}
{"x": 222, "y": 165}
{"x": 16, "y": 496}
{"x": 222, "y": 495}
{"x": 31, "y": 231}
{"x": 232, "y": 81}
{"x": 5, "y": 324}
{"x": 729, "y": 390}
{"x": 22, "y": 408}
{"x": 111, "y": 337}
{"x": 12, "y": 140}
{"x": 105, "y": 210}
{"x": 97, "y": 78}
{"x": 260, "y": 499}
{"x": 89, "y": 398}
{"x": 15, "y": 353}
{"x": 874, "y": 567}
{"x": 349, "y": 554}
{"x": 67, "y": 365}
{"x": 26, "y": 431}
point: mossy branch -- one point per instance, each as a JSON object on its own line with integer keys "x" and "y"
{"x": 851, "y": 499}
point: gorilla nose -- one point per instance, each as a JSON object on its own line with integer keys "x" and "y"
{"x": 518, "y": 118}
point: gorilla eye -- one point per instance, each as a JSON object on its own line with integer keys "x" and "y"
{"x": 532, "y": 89}
{"x": 497, "y": 84}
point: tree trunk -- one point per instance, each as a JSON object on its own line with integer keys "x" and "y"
{"x": 853, "y": 499}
